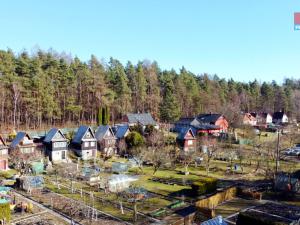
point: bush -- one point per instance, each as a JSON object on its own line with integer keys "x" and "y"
{"x": 5, "y": 212}
{"x": 205, "y": 185}
{"x": 134, "y": 139}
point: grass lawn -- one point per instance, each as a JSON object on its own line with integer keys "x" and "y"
{"x": 7, "y": 174}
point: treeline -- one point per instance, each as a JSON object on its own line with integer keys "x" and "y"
{"x": 51, "y": 88}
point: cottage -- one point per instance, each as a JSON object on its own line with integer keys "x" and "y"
{"x": 106, "y": 139}
{"x": 84, "y": 143}
{"x": 142, "y": 119}
{"x": 187, "y": 140}
{"x": 280, "y": 118}
{"x": 3, "y": 154}
{"x": 56, "y": 145}
{"x": 263, "y": 119}
{"x": 24, "y": 143}
{"x": 203, "y": 123}
{"x": 249, "y": 119}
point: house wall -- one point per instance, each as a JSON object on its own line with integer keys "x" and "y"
{"x": 88, "y": 154}
{"x": 59, "y": 146}
{"x": 107, "y": 145}
{"x": 248, "y": 121}
{"x": 269, "y": 119}
{"x": 3, "y": 164}
{"x": 27, "y": 149}
{"x": 89, "y": 145}
{"x": 57, "y": 155}
{"x": 189, "y": 145}
{"x": 285, "y": 119}
{"x": 222, "y": 123}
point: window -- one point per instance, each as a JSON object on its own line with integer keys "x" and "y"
{"x": 27, "y": 150}
{"x": 60, "y": 144}
{"x": 190, "y": 142}
{"x": 3, "y": 152}
{"x": 92, "y": 144}
{"x": 86, "y": 144}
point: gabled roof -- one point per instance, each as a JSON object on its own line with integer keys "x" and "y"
{"x": 185, "y": 120}
{"x": 80, "y": 134}
{"x": 121, "y": 131}
{"x": 208, "y": 118}
{"x": 20, "y": 136}
{"x": 278, "y": 115}
{"x": 183, "y": 133}
{"x": 250, "y": 116}
{"x": 101, "y": 131}
{"x": 142, "y": 118}
{"x": 52, "y": 135}
{"x": 262, "y": 114}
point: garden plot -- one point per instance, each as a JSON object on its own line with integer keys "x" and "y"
{"x": 230, "y": 208}
{"x": 74, "y": 209}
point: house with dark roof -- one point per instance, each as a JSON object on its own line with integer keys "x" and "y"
{"x": 106, "y": 140}
{"x": 187, "y": 140}
{"x": 84, "y": 143}
{"x": 142, "y": 119}
{"x": 56, "y": 145}
{"x": 3, "y": 154}
{"x": 121, "y": 131}
{"x": 280, "y": 118}
{"x": 203, "y": 123}
{"x": 24, "y": 143}
{"x": 262, "y": 118}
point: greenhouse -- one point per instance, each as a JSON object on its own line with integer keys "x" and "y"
{"x": 118, "y": 167}
{"x": 118, "y": 183}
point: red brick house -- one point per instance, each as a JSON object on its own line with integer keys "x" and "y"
{"x": 3, "y": 154}
{"x": 187, "y": 140}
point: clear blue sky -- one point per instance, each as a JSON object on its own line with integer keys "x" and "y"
{"x": 243, "y": 39}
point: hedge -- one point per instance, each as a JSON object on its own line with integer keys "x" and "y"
{"x": 204, "y": 185}
{"x": 5, "y": 212}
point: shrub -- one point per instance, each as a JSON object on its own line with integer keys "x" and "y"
{"x": 5, "y": 212}
{"x": 134, "y": 139}
{"x": 204, "y": 185}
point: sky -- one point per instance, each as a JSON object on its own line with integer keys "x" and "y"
{"x": 239, "y": 39}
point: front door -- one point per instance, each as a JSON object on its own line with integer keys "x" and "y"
{"x": 63, "y": 155}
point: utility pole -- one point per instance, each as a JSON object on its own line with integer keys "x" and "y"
{"x": 277, "y": 153}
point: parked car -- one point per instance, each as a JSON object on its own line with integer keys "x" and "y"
{"x": 293, "y": 152}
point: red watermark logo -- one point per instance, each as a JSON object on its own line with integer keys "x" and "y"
{"x": 297, "y": 21}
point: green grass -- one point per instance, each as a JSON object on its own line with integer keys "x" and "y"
{"x": 7, "y": 174}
